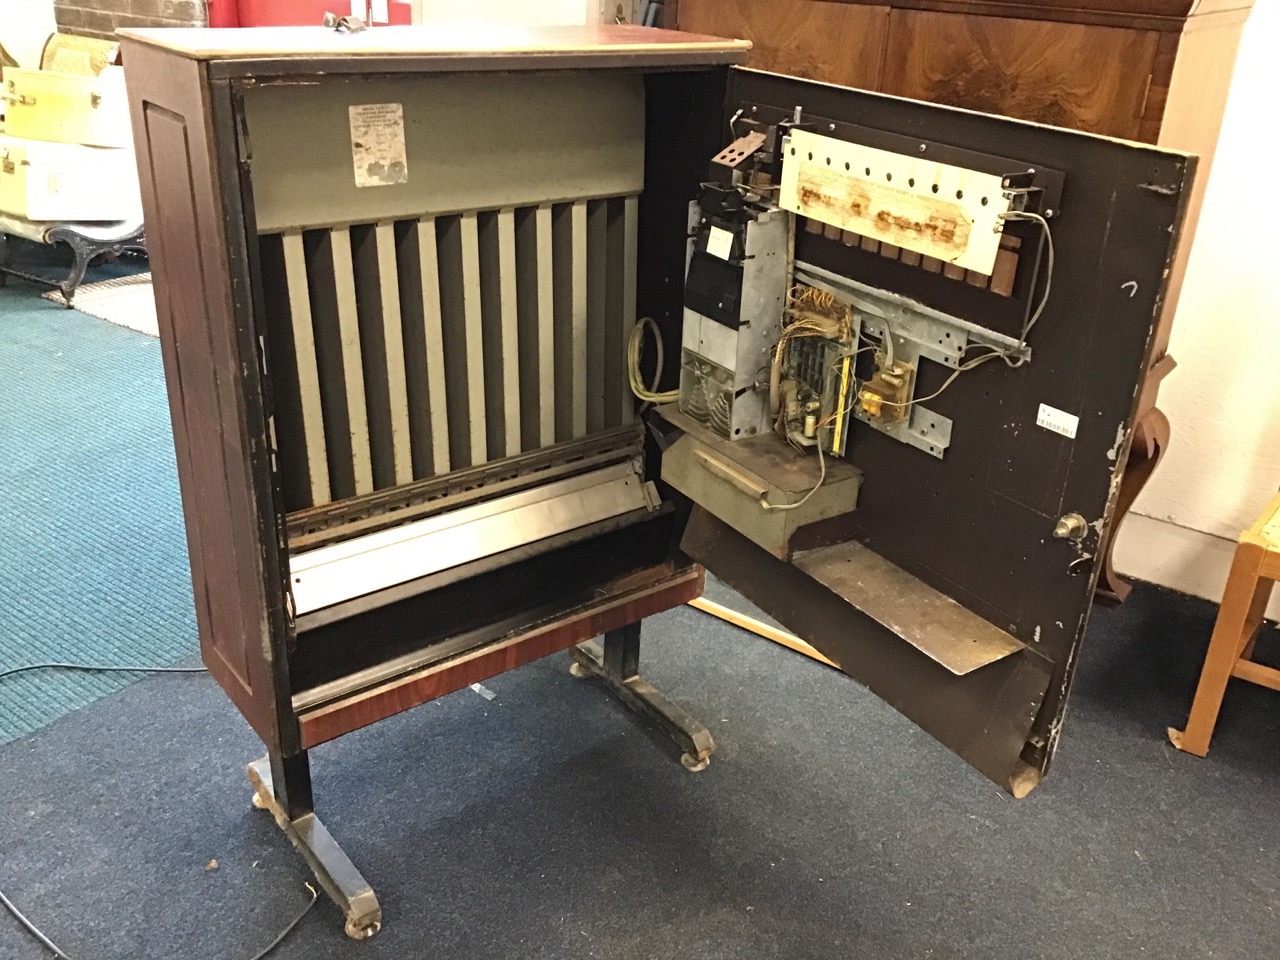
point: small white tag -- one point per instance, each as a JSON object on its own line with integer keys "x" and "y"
{"x": 377, "y": 144}
{"x": 1059, "y": 421}
{"x": 720, "y": 243}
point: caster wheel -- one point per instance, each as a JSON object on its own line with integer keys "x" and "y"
{"x": 693, "y": 764}
{"x": 578, "y": 670}
{"x": 363, "y": 929}
{"x": 258, "y": 802}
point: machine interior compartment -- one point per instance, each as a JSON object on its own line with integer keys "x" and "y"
{"x": 445, "y": 330}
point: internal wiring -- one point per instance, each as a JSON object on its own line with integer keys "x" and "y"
{"x": 1014, "y": 359}
{"x": 635, "y": 351}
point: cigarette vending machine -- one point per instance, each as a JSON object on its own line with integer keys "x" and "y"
{"x": 481, "y": 348}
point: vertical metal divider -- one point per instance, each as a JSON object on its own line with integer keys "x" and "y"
{"x": 579, "y": 401}
{"x": 393, "y": 336}
{"x": 508, "y": 359}
{"x": 353, "y": 369}
{"x": 598, "y": 314}
{"x": 614, "y": 348}
{"x": 474, "y": 335}
{"x": 304, "y": 351}
{"x": 433, "y": 343}
{"x": 373, "y": 353}
{"x": 630, "y": 242}
{"x": 546, "y": 349}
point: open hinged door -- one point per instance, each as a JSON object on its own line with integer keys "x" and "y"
{"x": 973, "y": 301}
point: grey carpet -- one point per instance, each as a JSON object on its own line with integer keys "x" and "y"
{"x": 549, "y": 823}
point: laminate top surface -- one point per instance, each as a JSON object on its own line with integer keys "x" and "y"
{"x": 523, "y": 45}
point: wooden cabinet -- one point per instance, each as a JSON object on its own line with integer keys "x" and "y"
{"x": 1156, "y": 71}
{"x": 1065, "y": 74}
{"x": 835, "y": 42}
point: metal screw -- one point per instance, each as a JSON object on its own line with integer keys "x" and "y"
{"x": 923, "y": 147}
{"x": 831, "y": 127}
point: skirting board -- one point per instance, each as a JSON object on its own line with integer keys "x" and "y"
{"x": 1182, "y": 559}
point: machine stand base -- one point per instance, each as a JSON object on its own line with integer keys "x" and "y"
{"x": 591, "y": 659}
{"x": 337, "y": 874}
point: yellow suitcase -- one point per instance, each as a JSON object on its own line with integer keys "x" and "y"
{"x": 66, "y": 108}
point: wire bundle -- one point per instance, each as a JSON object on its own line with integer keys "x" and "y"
{"x": 635, "y": 351}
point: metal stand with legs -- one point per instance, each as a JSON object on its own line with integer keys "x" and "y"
{"x": 283, "y": 786}
{"x": 616, "y": 664}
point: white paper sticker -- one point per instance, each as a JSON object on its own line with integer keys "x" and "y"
{"x": 377, "y": 144}
{"x": 1059, "y": 421}
{"x": 720, "y": 243}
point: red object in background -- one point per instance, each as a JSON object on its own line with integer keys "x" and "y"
{"x": 292, "y": 13}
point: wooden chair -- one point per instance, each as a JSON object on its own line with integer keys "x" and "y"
{"x": 1254, "y": 571}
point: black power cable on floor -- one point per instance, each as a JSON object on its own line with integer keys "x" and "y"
{"x": 9, "y": 905}
{"x": 98, "y": 668}
{"x": 57, "y": 952}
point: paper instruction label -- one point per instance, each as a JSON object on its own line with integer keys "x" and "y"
{"x": 720, "y": 243}
{"x": 1058, "y": 421}
{"x": 377, "y": 144}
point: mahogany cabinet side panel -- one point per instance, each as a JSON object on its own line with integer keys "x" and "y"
{"x": 833, "y": 42}
{"x": 211, "y": 387}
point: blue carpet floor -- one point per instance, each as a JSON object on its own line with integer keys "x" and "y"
{"x": 548, "y": 823}
{"x": 92, "y": 551}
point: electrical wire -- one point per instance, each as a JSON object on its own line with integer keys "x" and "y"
{"x": 53, "y": 948}
{"x": 822, "y": 476}
{"x": 289, "y": 929}
{"x": 635, "y": 350}
{"x": 967, "y": 365}
{"x": 1009, "y": 358}
{"x": 31, "y": 928}
{"x": 1013, "y": 358}
{"x": 98, "y": 668}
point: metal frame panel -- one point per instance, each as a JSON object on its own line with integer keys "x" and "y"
{"x": 352, "y": 362}
{"x": 304, "y": 346}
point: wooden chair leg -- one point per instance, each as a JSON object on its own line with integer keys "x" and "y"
{"x": 1243, "y": 603}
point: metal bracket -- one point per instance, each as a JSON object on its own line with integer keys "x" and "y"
{"x": 918, "y": 331}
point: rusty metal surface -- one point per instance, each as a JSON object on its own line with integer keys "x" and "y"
{"x": 928, "y": 619}
{"x": 985, "y": 716}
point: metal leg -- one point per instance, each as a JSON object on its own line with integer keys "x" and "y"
{"x": 283, "y": 786}
{"x": 616, "y": 663}
{"x": 6, "y": 258}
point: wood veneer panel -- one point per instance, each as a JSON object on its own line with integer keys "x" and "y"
{"x": 834, "y": 42}
{"x": 1064, "y": 74}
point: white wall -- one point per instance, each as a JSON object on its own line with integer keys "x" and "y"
{"x": 24, "y": 27}
{"x": 523, "y": 12}
{"x": 1223, "y": 400}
